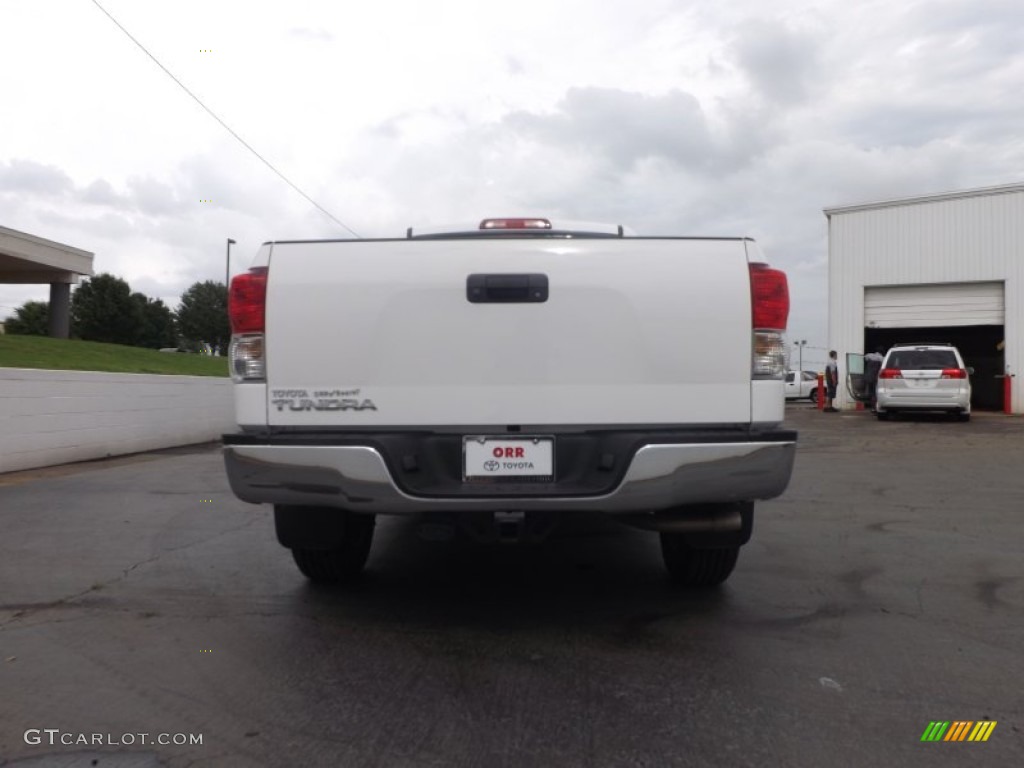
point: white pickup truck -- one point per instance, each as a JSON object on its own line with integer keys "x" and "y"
{"x": 497, "y": 375}
{"x": 801, "y": 385}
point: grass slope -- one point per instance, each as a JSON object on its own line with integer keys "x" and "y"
{"x": 77, "y": 355}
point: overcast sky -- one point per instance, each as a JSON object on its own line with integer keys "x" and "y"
{"x": 674, "y": 117}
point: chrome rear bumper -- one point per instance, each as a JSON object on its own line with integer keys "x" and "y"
{"x": 659, "y": 477}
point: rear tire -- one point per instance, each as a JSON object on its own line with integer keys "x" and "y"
{"x": 964, "y": 416}
{"x": 882, "y": 415}
{"x": 696, "y": 567}
{"x": 341, "y": 564}
{"x": 813, "y": 397}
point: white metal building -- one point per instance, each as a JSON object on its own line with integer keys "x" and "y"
{"x": 946, "y": 267}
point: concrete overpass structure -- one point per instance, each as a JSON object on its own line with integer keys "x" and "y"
{"x": 27, "y": 259}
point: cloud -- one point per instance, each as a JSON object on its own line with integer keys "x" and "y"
{"x": 152, "y": 197}
{"x": 198, "y": 184}
{"x": 964, "y": 36}
{"x": 29, "y": 177}
{"x": 917, "y": 123}
{"x": 778, "y": 61}
{"x": 49, "y": 185}
{"x": 313, "y": 35}
{"x": 622, "y": 127}
{"x": 514, "y": 66}
{"x": 100, "y": 192}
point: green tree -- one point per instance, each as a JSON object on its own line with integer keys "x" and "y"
{"x": 158, "y": 327}
{"x": 30, "y": 319}
{"x": 203, "y": 314}
{"x": 102, "y": 309}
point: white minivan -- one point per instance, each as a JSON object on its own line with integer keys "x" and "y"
{"x": 924, "y": 377}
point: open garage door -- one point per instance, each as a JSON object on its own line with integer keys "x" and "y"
{"x": 968, "y": 315}
{"x": 933, "y": 306}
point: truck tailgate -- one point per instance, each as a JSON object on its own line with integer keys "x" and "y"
{"x": 634, "y": 331}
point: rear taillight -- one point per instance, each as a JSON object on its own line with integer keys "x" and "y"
{"x": 247, "y": 301}
{"x": 890, "y": 373}
{"x": 769, "y": 295}
{"x": 954, "y": 373}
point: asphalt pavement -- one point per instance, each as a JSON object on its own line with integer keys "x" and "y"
{"x": 884, "y": 591}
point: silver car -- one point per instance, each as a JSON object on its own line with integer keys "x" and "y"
{"x": 924, "y": 377}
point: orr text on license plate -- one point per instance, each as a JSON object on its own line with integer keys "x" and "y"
{"x": 508, "y": 458}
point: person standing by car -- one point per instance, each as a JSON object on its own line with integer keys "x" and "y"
{"x": 831, "y": 381}
{"x": 872, "y": 366}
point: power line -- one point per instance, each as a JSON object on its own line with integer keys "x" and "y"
{"x": 226, "y": 127}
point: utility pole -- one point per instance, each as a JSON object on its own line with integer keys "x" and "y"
{"x": 227, "y": 265}
{"x": 800, "y": 350}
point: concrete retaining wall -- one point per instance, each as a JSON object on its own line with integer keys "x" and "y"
{"x": 55, "y": 417}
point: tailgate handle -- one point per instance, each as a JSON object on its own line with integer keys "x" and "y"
{"x": 507, "y": 289}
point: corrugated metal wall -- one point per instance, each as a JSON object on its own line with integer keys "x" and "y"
{"x": 975, "y": 236}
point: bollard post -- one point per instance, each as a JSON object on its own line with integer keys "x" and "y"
{"x": 821, "y": 391}
{"x": 1007, "y": 393}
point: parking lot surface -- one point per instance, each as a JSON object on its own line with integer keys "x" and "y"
{"x": 882, "y": 592}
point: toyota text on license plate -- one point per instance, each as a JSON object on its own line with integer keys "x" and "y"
{"x": 508, "y": 458}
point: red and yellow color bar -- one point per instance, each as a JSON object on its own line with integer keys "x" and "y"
{"x": 958, "y": 730}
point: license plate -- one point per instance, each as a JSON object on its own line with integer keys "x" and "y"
{"x": 503, "y": 458}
